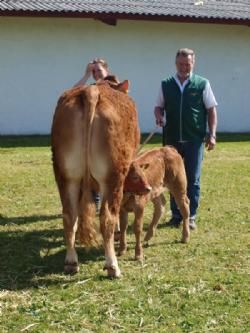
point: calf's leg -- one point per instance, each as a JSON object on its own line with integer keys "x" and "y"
{"x": 138, "y": 226}
{"x": 123, "y": 229}
{"x": 159, "y": 208}
{"x": 182, "y": 202}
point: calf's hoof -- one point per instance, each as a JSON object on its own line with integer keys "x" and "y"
{"x": 185, "y": 239}
{"x": 149, "y": 235}
{"x": 121, "y": 252}
{"x": 117, "y": 235}
{"x": 139, "y": 257}
{"x": 71, "y": 268}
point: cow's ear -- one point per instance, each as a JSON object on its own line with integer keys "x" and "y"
{"x": 123, "y": 86}
{"x": 144, "y": 166}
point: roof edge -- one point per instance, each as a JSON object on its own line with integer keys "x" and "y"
{"x": 106, "y": 17}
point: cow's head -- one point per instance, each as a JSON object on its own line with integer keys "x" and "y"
{"x": 114, "y": 83}
{"x": 136, "y": 181}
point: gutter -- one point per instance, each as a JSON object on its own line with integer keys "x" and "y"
{"x": 112, "y": 18}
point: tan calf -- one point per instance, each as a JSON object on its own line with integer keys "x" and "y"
{"x": 164, "y": 169}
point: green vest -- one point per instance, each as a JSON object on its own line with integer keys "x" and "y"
{"x": 186, "y": 115}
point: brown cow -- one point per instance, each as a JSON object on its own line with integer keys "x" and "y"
{"x": 95, "y": 135}
{"x": 164, "y": 170}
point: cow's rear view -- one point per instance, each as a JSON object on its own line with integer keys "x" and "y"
{"x": 95, "y": 135}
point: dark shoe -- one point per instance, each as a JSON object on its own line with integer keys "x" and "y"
{"x": 174, "y": 222}
{"x": 192, "y": 224}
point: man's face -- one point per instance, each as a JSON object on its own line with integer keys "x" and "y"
{"x": 184, "y": 66}
{"x": 99, "y": 72}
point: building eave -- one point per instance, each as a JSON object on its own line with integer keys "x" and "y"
{"x": 111, "y": 18}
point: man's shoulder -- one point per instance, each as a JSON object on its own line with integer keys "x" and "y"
{"x": 167, "y": 83}
{"x": 169, "y": 78}
{"x": 199, "y": 78}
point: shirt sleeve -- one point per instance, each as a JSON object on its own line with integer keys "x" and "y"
{"x": 208, "y": 97}
{"x": 160, "y": 99}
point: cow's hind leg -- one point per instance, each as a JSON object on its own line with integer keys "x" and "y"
{"x": 159, "y": 208}
{"x": 109, "y": 218}
{"x": 70, "y": 198}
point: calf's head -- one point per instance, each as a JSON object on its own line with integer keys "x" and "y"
{"x": 136, "y": 181}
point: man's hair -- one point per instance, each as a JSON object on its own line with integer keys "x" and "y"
{"x": 100, "y": 61}
{"x": 185, "y": 52}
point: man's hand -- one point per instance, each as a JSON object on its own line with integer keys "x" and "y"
{"x": 210, "y": 142}
{"x": 89, "y": 69}
{"x": 159, "y": 116}
{"x": 212, "y": 125}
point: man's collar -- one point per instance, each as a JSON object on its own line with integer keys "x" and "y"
{"x": 187, "y": 79}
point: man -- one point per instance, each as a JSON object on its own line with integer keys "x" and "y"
{"x": 98, "y": 68}
{"x": 189, "y": 105}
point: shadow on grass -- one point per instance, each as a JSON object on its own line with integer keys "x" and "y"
{"x": 19, "y": 220}
{"x": 29, "y": 259}
{"x": 33, "y": 259}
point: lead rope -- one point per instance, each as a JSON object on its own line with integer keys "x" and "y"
{"x": 147, "y": 139}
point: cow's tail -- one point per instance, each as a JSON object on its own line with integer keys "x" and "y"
{"x": 87, "y": 232}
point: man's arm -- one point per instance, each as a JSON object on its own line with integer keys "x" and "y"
{"x": 212, "y": 126}
{"x": 159, "y": 116}
{"x": 159, "y": 109}
{"x": 86, "y": 75}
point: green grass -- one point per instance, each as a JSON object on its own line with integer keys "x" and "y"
{"x": 199, "y": 287}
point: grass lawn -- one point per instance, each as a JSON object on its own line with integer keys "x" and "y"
{"x": 199, "y": 287}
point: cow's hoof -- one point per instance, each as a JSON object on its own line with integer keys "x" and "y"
{"x": 71, "y": 268}
{"x": 113, "y": 272}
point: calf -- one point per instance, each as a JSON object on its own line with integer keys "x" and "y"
{"x": 164, "y": 169}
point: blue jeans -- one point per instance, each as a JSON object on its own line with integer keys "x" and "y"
{"x": 96, "y": 198}
{"x": 192, "y": 154}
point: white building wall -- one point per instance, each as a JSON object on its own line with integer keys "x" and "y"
{"x": 41, "y": 57}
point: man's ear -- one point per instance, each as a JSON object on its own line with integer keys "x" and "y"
{"x": 123, "y": 86}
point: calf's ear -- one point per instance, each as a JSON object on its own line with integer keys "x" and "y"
{"x": 123, "y": 86}
{"x": 144, "y": 166}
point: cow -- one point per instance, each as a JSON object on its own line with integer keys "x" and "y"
{"x": 164, "y": 169}
{"x": 94, "y": 138}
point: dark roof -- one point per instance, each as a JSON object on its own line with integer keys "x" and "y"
{"x": 237, "y": 11}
